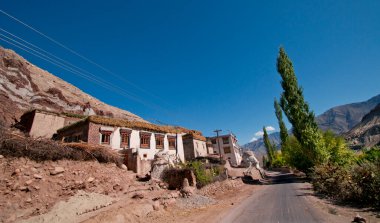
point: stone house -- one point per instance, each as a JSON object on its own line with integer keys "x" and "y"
{"x": 194, "y": 146}
{"x": 42, "y": 123}
{"x": 229, "y": 148}
{"x": 140, "y": 140}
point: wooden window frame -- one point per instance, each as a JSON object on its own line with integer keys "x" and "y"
{"x": 106, "y": 140}
{"x": 226, "y": 142}
{"x": 125, "y": 138}
{"x": 145, "y": 140}
{"x": 171, "y": 139}
{"x": 213, "y": 141}
{"x": 229, "y": 149}
{"x": 159, "y": 138}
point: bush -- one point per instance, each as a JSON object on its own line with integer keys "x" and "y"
{"x": 12, "y": 145}
{"x": 206, "y": 173}
{"x": 358, "y": 183}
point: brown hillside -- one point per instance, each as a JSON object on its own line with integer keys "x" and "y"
{"x": 24, "y": 86}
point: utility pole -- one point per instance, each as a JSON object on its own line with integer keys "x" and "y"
{"x": 217, "y": 141}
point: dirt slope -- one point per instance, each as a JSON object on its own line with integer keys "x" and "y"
{"x": 24, "y": 86}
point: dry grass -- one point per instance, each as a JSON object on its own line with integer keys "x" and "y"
{"x": 14, "y": 145}
{"x": 135, "y": 125}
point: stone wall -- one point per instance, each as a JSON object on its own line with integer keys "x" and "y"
{"x": 188, "y": 147}
{"x": 81, "y": 130}
{"x": 93, "y": 133}
{"x": 175, "y": 177}
{"x": 46, "y": 125}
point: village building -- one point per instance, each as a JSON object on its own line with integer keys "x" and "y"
{"x": 41, "y": 123}
{"x": 139, "y": 140}
{"x": 194, "y": 146}
{"x": 229, "y": 148}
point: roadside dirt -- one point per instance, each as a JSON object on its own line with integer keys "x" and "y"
{"x": 338, "y": 213}
{"x": 29, "y": 188}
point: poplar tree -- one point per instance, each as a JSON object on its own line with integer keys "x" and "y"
{"x": 281, "y": 124}
{"x": 297, "y": 110}
{"x": 269, "y": 146}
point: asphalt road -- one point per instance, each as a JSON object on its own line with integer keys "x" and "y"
{"x": 281, "y": 201}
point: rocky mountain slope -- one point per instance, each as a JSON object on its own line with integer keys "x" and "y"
{"x": 342, "y": 118}
{"x": 24, "y": 86}
{"x": 258, "y": 146}
{"x": 339, "y": 119}
{"x": 367, "y": 132}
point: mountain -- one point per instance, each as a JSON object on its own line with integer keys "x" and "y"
{"x": 339, "y": 119}
{"x": 24, "y": 86}
{"x": 367, "y": 132}
{"x": 258, "y": 146}
{"x": 342, "y": 118}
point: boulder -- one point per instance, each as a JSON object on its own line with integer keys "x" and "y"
{"x": 37, "y": 176}
{"x": 186, "y": 190}
{"x": 57, "y": 170}
{"x": 159, "y": 165}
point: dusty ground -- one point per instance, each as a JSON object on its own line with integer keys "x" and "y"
{"x": 28, "y": 188}
{"x": 92, "y": 192}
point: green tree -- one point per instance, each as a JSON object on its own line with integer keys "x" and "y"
{"x": 296, "y": 109}
{"x": 281, "y": 124}
{"x": 269, "y": 147}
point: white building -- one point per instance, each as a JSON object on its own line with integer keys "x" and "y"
{"x": 229, "y": 148}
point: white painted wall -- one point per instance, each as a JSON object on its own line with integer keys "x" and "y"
{"x": 234, "y": 156}
{"x": 134, "y": 143}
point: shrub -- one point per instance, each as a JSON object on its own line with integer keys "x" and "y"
{"x": 12, "y": 145}
{"x": 358, "y": 183}
{"x": 206, "y": 173}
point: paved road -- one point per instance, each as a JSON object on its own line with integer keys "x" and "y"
{"x": 282, "y": 201}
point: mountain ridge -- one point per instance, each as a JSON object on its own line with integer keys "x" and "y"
{"x": 340, "y": 119}
{"x": 24, "y": 86}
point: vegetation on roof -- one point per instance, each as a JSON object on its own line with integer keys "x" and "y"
{"x": 67, "y": 114}
{"x": 133, "y": 125}
{"x": 194, "y": 136}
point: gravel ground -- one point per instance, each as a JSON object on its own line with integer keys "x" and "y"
{"x": 68, "y": 211}
{"x": 195, "y": 201}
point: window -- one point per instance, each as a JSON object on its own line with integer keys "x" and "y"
{"x": 145, "y": 140}
{"x": 159, "y": 141}
{"x": 124, "y": 138}
{"x": 213, "y": 141}
{"x": 226, "y": 140}
{"x": 171, "y": 142}
{"x": 227, "y": 149}
{"x": 106, "y": 137}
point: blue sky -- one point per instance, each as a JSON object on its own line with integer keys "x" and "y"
{"x": 208, "y": 64}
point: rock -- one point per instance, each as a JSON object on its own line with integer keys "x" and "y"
{"x": 34, "y": 169}
{"x": 37, "y": 176}
{"x": 186, "y": 190}
{"x": 90, "y": 179}
{"x": 29, "y": 200}
{"x": 359, "y": 219}
{"x": 15, "y": 186}
{"x": 160, "y": 163}
{"x": 171, "y": 201}
{"x": 1, "y": 156}
{"x": 174, "y": 194}
{"x": 23, "y": 188}
{"x": 57, "y": 170}
{"x": 156, "y": 206}
{"x": 28, "y": 182}
{"x": 124, "y": 167}
{"x": 138, "y": 195}
{"x": 36, "y": 187}
{"x": 16, "y": 172}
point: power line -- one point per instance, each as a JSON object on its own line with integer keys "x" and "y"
{"x": 66, "y": 66}
{"x": 79, "y": 55}
{"x": 99, "y": 82}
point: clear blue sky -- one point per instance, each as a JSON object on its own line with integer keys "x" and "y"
{"x": 209, "y": 64}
